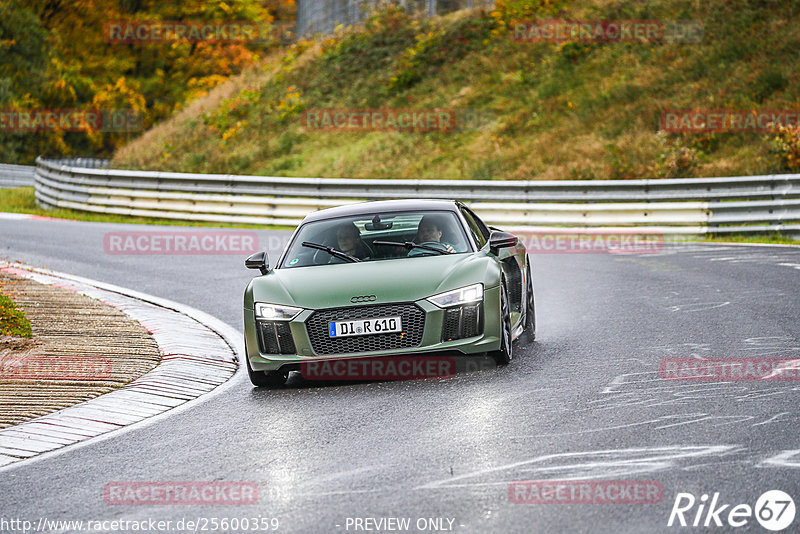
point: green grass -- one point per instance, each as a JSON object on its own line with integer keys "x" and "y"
{"x": 22, "y": 200}
{"x": 772, "y": 239}
{"x": 12, "y": 320}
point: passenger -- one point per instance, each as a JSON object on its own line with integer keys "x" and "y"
{"x": 349, "y": 241}
{"x": 430, "y": 231}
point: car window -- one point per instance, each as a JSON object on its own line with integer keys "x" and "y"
{"x": 481, "y": 226}
{"x": 474, "y": 228}
{"x": 357, "y": 236}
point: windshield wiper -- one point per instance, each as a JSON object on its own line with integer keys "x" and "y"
{"x": 332, "y": 251}
{"x": 408, "y": 245}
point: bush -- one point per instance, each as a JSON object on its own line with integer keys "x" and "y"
{"x": 438, "y": 47}
{"x": 786, "y": 144}
{"x": 675, "y": 160}
{"x": 511, "y": 10}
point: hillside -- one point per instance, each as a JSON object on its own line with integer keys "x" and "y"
{"x": 61, "y": 55}
{"x": 525, "y": 110}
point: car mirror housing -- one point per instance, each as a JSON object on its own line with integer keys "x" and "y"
{"x": 258, "y": 261}
{"x": 498, "y": 240}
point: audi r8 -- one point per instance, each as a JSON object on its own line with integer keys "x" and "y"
{"x": 387, "y": 278}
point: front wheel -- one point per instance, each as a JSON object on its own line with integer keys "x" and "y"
{"x": 530, "y": 307}
{"x": 265, "y": 379}
{"x": 503, "y": 356}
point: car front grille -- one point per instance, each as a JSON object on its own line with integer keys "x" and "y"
{"x": 411, "y": 316}
{"x": 462, "y": 322}
{"x": 275, "y": 337}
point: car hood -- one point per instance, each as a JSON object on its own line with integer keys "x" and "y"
{"x": 400, "y": 280}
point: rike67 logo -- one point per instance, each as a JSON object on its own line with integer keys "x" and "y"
{"x": 774, "y": 510}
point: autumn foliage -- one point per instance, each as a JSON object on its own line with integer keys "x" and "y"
{"x": 54, "y": 55}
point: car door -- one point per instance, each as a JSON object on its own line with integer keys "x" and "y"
{"x": 511, "y": 261}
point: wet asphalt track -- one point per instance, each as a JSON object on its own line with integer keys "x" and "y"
{"x": 583, "y": 402}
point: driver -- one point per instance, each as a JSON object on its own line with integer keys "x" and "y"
{"x": 430, "y": 231}
{"x": 349, "y": 241}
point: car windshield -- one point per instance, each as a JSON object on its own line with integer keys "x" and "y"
{"x": 376, "y": 237}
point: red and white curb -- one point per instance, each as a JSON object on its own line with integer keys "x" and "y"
{"x": 199, "y": 354}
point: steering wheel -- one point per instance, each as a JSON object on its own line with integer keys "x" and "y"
{"x": 422, "y": 252}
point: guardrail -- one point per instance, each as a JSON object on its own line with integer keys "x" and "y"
{"x": 750, "y": 204}
{"x": 16, "y": 175}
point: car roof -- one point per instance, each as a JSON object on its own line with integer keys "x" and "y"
{"x": 372, "y": 206}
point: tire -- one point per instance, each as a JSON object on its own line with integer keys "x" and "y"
{"x": 265, "y": 379}
{"x": 530, "y": 307}
{"x": 504, "y": 354}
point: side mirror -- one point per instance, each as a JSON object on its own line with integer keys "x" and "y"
{"x": 258, "y": 261}
{"x": 498, "y": 240}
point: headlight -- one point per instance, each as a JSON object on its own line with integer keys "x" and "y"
{"x": 273, "y": 312}
{"x": 464, "y": 295}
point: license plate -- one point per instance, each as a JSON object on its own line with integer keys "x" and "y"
{"x": 364, "y": 327}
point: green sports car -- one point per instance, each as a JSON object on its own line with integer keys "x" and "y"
{"x": 398, "y": 278}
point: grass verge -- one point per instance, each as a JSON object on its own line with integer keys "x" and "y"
{"x": 12, "y": 320}
{"x": 770, "y": 239}
{"x": 23, "y": 200}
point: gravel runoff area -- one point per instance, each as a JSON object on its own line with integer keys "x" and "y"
{"x": 198, "y": 354}
{"x": 82, "y": 348}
